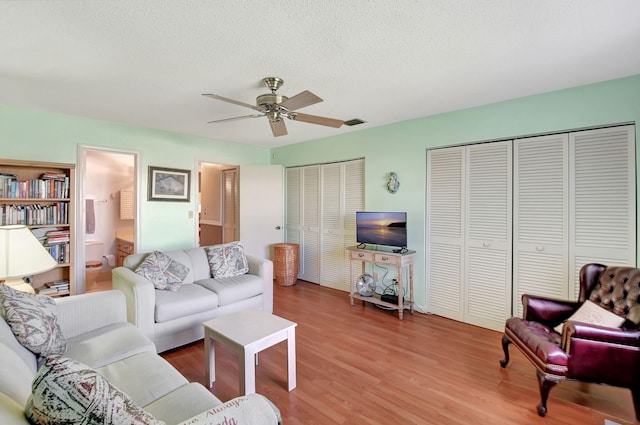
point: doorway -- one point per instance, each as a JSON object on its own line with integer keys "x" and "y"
{"x": 217, "y": 203}
{"x": 107, "y": 211}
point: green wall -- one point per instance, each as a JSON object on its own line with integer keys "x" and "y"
{"x": 40, "y": 136}
{"x": 402, "y": 147}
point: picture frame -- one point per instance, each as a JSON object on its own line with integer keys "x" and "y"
{"x": 169, "y": 184}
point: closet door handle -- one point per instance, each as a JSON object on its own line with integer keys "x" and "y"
{"x": 539, "y": 248}
{"x": 486, "y": 244}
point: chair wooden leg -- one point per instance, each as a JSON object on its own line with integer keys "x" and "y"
{"x": 545, "y": 387}
{"x": 635, "y": 393}
{"x": 505, "y": 347}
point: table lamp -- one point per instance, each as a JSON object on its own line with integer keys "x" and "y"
{"x": 21, "y": 254}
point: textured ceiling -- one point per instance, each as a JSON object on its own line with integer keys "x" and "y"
{"x": 146, "y": 62}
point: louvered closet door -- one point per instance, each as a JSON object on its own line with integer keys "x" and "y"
{"x": 353, "y": 201}
{"x": 310, "y": 244}
{"x": 331, "y": 248}
{"x": 540, "y": 224}
{"x": 445, "y": 237}
{"x": 487, "y": 254}
{"x": 603, "y": 199}
{"x": 230, "y": 217}
{"x": 293, "y": 214}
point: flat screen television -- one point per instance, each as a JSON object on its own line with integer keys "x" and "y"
{"x": 381, "y": 228}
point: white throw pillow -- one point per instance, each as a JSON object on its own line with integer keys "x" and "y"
{"x": 33, "y": 320}
{"x": 163, "y": 271}
{"x": 593, "y": 314}
{"x": 68, "y": 392}
{"x": 227, "y": 260}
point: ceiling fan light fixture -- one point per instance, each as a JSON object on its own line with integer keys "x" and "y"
{"x": 274, "y": 116}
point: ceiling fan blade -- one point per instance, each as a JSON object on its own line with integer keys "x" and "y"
{"x": 300, "y": 100}
{"x": 237, "y": 118}
{"x": 235, "y": 102}
{"x": 314, "y": 119}
{"x": 278, "y": 128}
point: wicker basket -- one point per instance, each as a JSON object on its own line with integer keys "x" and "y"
{"x": 285, "y": 263}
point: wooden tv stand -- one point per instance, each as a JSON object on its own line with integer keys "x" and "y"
{"x": 387, "y": 258}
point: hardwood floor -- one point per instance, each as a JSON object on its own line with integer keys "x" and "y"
{"x": 361, "y": 365}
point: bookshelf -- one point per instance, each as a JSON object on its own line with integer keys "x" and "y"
{"x": 41, "y": 196}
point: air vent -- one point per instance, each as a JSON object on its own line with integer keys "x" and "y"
{"x": 355, "y": 121}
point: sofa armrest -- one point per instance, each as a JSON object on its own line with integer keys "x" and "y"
{"x": 548, "y": 311}
{"x": 251, "y": 409}
{"x": 87, "y": 312}
{"x": 140, "y": 295}
{"x": 263, "y": 267}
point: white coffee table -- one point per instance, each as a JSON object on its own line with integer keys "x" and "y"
{"x": 247, "y": 333}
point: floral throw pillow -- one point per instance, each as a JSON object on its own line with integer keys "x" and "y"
{"x": 68, "y": 392}
{"x": 33, "y": 321}
{"x": 227, "y": 260}
{"x": 163, "y": 271}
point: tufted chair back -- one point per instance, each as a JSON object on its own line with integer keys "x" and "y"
{"x": 618, "y": 290}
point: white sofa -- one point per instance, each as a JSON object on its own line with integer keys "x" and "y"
{"x": 174, "y": 318}
{"x": 99, "y": 336}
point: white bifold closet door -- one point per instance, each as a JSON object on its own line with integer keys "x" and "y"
{"x": 321, "y": 204}
{"x": 541, "y": 215}
{"x": 469, "y": 233}
{"x": 487, "y": 253}
{"x": 574, "y": 203}
{"x": 602, "y": 198}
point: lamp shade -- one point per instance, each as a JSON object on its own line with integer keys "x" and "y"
{"x": 21, "y": 254}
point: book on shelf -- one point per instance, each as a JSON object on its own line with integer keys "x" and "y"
{"x": 58, "y": 287}
{"x": 48, "y": 186}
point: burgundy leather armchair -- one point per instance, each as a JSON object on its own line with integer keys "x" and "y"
{"x": 583, "y": 352}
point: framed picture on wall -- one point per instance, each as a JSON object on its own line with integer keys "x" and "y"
{"x": 169, "y": 184}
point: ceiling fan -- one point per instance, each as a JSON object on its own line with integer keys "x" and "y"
{"x": 276, "y": 107}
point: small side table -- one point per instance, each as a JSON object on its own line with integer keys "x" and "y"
{"x": 247, "y": 333}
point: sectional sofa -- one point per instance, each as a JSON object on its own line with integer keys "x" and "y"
{"x": 105, "y": 359}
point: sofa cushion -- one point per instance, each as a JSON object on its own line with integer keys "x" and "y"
{"x": 66, "y": 391}
{"x": 9, "y": 340}
{"x": 144, "y": 377}
{"x": 234, "y": 289}
{"x": 108, "y": 344}
{"x": 15, "y": 376}
{"x": 199, "y": 263}
{"x": 227, "y": 260}
{"x": 188, "y": 300}
{"x": 163, "y": 271}
{"x": 183, "y": 403}
{"x": 33, "y": 320}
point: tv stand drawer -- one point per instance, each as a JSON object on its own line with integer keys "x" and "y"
{"x": 362, "y": 256}
{"x": 387, "y": 259}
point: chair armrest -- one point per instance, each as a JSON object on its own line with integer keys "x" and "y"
{"x": 548, "y": 311}
{"x": 602, "y": 355}
{"x": 601, "y": 333}
{"x": 87, "y": 312}
{"x": 263, "y": 267}
{"x": 141, "y": 299}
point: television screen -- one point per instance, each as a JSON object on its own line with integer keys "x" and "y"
{"x": 381, "y": 228}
